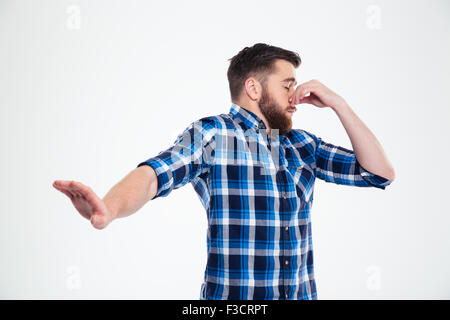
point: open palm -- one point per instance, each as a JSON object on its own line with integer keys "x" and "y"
{"x": 87, "y": 203}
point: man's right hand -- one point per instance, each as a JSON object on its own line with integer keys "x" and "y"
{"x": 88, "y": 204}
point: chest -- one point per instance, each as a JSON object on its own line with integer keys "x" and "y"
{"x": 251, "y": 164}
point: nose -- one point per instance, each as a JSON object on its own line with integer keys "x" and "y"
{"x": 291, "y": 99}
{"x": 291, "y": 95}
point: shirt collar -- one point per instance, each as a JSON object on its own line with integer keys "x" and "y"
{"x": 249, "y": 118}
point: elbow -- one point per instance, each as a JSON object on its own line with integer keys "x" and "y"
{"x": 390, "y": 175}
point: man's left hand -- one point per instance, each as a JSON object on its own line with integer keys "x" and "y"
{"x": 319, "y": 95}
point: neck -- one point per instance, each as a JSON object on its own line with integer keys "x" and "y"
{"x": 254, "y": 107}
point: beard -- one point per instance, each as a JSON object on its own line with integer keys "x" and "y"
{"x": 276, "y": 115}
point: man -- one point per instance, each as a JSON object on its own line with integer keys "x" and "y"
{"x": 254, "y": 175}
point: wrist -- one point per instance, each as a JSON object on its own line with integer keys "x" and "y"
{"x": 339, "y": 107}
{"x": 110, "y": 207}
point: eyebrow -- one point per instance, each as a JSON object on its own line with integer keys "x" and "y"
{"x": 290, "y": 79}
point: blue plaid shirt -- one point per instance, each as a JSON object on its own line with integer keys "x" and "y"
{"x": 258, "y": 192}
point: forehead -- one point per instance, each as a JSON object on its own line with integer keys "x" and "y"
{"x": 283, "y": 69}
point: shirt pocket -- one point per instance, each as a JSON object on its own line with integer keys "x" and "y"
{"x": 303, "y": 177}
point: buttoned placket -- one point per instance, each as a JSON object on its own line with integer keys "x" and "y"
{"x": 286, "y": 258}
{"x": 285, "y": 224}
{"x": 284, "y": 228}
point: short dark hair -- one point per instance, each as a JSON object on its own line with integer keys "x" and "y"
{"x": 257, "y": 61}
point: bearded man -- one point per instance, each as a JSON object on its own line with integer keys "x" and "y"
{"x": 254, "y": 175}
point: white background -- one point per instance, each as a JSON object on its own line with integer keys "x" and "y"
{"x": 89, "y": 89}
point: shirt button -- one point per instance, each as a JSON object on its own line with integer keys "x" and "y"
{"x": 287, "y": 228}
{"x": 287, "y": 296}
{"x": 287, "y": 262}
{"x": 284, "y": 196}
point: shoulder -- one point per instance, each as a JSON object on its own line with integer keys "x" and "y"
{"x": 216, "y": 122}
{"x": 210, "y": 126}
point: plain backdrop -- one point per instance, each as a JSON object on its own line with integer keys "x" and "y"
{"x": 89, "y": 89}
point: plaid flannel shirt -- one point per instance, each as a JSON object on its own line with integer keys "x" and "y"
{"x": 258, "y": 192}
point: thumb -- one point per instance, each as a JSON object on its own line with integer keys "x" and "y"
{"x": 98, "y": 221}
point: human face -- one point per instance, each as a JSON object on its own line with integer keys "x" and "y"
{"x": 274, "y": 103}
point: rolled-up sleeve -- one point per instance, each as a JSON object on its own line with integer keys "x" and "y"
{"x": 339, "y": 165}
{"x": 190, "y": 155}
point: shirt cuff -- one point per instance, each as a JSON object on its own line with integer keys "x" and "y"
{"x": 373, "y": 179}
{"x": 163, "y": 174}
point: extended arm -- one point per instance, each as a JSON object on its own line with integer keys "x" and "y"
{"x": 132, "y": 192}
{"x": 189, "y": 156}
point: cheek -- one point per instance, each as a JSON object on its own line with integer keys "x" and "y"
{"x": 288, "y": 94}
{"x": 282, "y": 97}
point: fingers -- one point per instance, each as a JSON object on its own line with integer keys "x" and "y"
{"x": 307, "y": 99}
{"x": 79, "y": 188}
{"x": 61, "y": 183}
{"x": 60, "y": 186}
{"x": 303, "y": 92}
{"x": 76, "y": 189}
{"x": 300, "y": 92}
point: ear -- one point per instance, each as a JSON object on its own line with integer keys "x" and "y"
{"x": 253, "y": 88}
